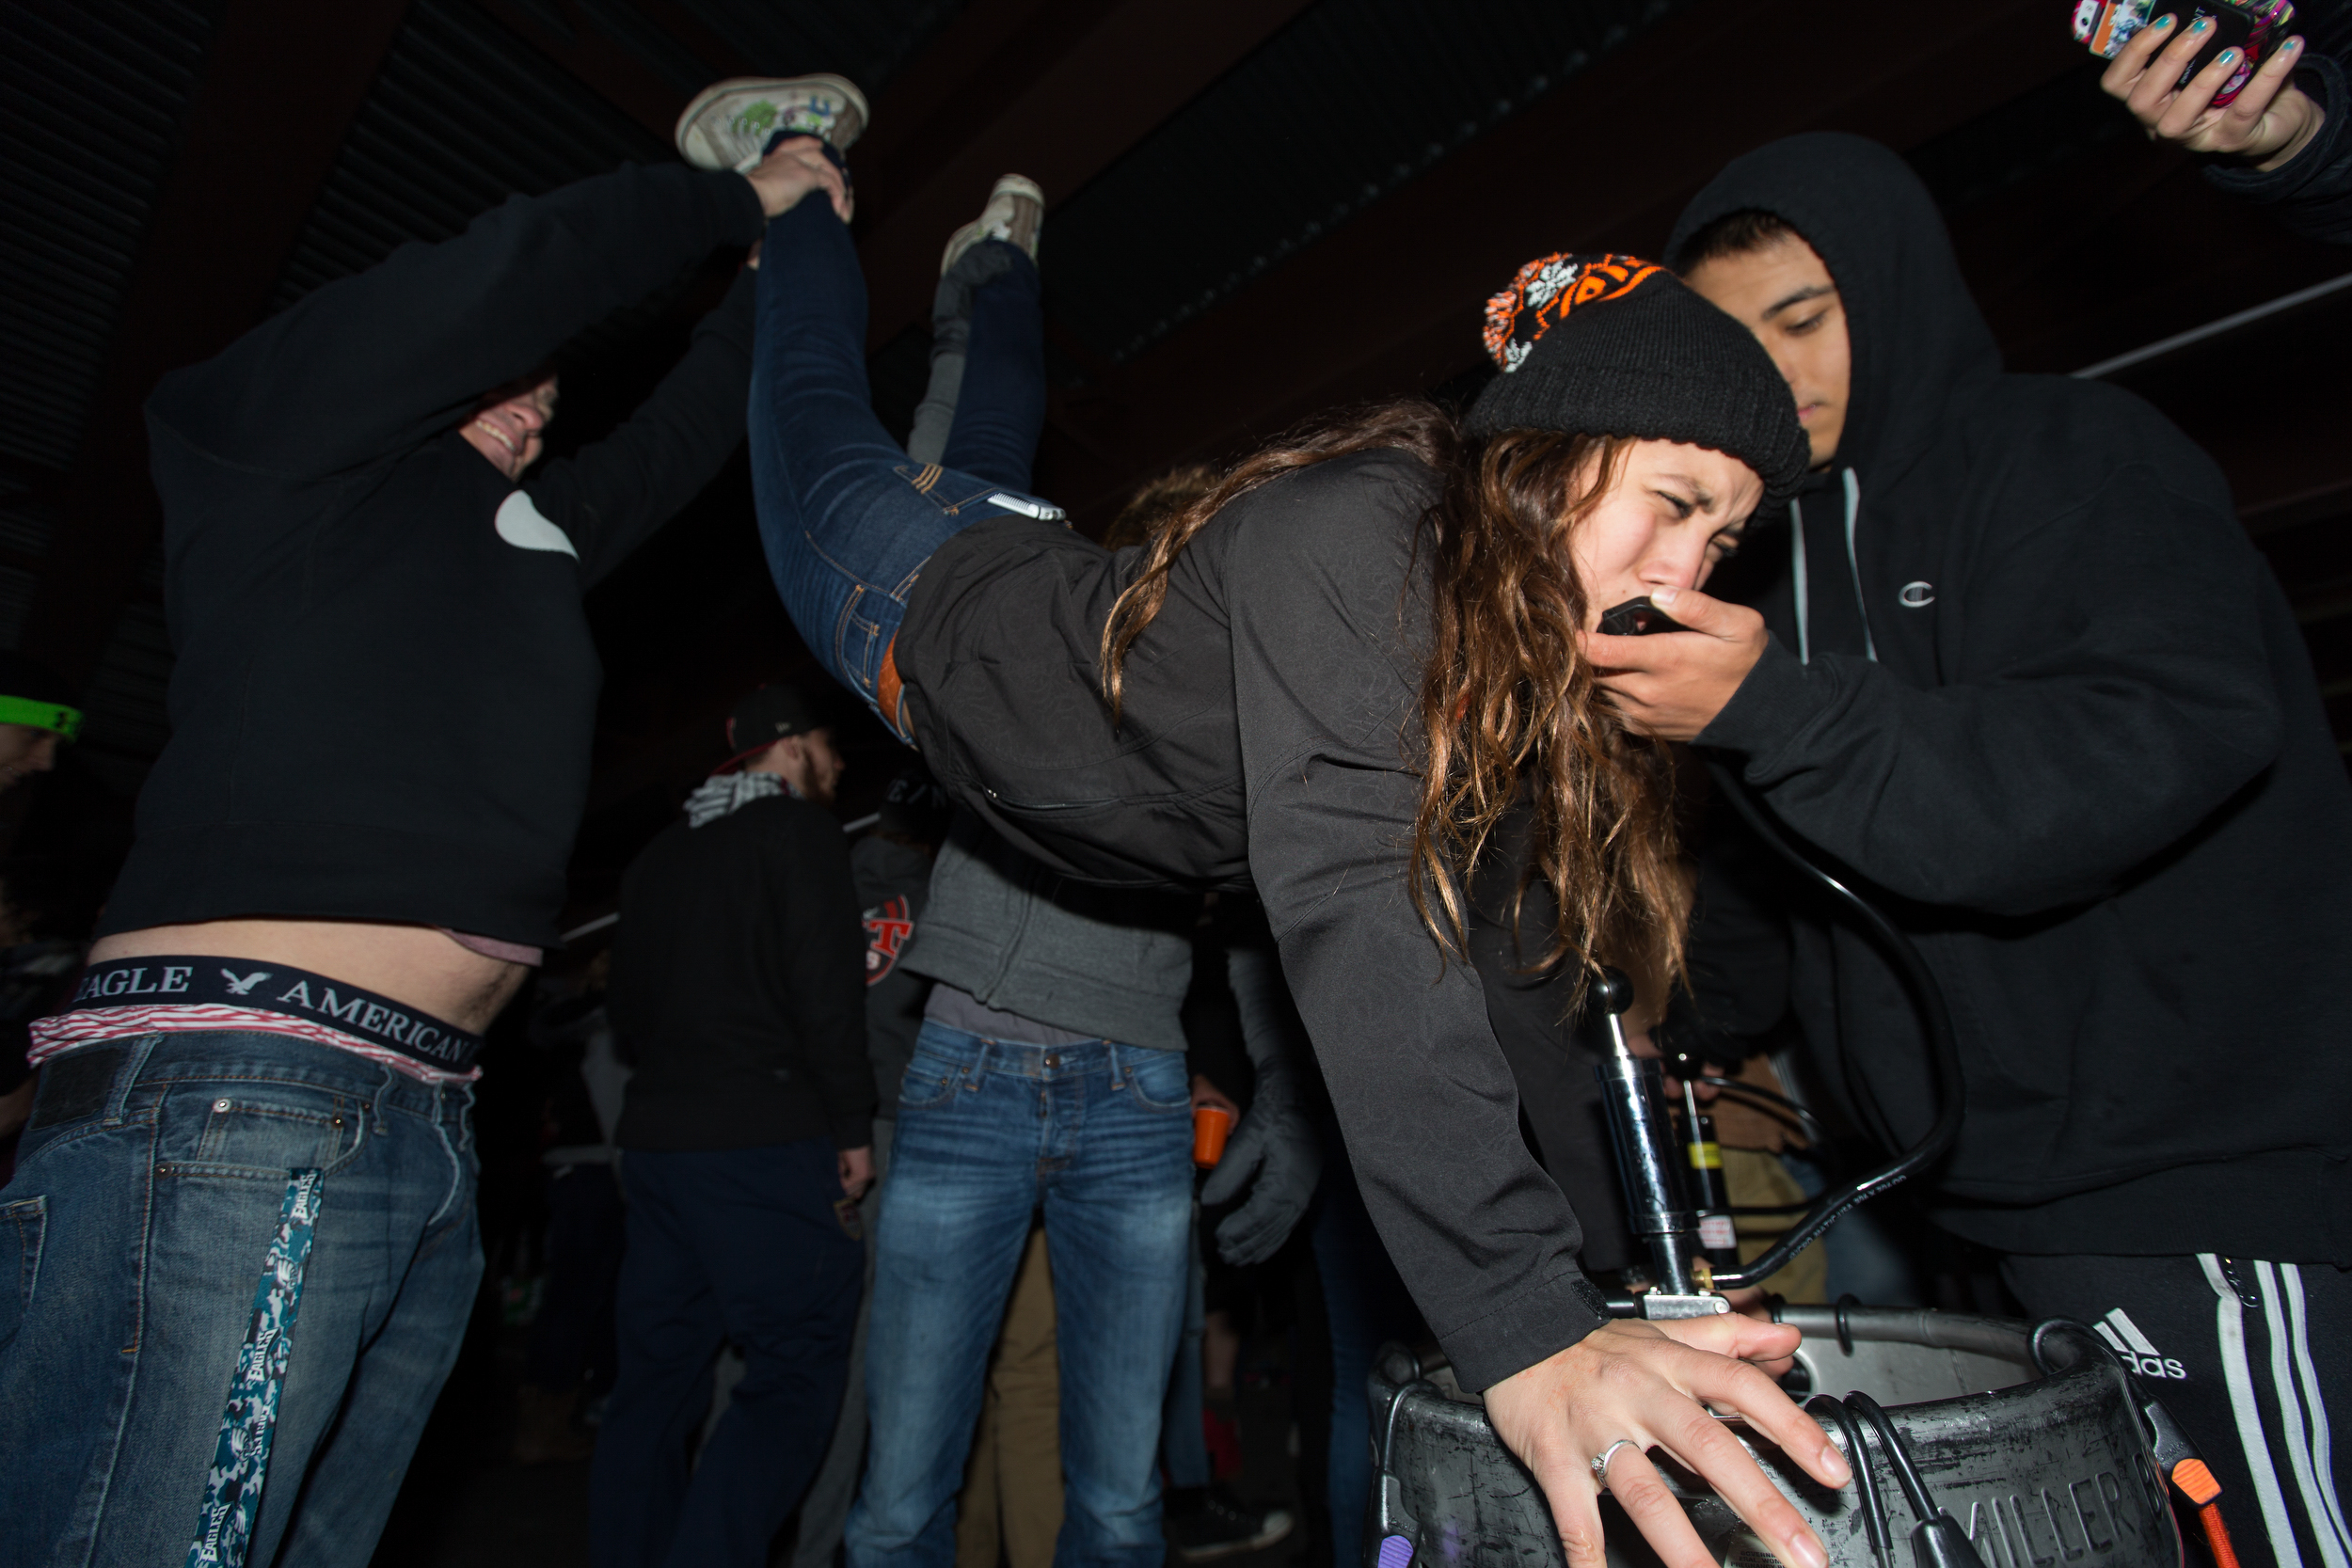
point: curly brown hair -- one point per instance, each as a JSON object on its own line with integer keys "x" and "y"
{"x": 1507, "y": 690}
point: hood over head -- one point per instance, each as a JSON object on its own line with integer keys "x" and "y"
{"x": 1915, "y": 333}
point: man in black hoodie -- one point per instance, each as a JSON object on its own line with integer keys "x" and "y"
{"x": 2025, "y": 681}
{"x": 250, "y": 1153}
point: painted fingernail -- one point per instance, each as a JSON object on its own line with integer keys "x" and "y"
{"x": 1833, "y": 1465}
{"x": 2228, "y": 57}
{"x": 2200, "y": 24}
{"x": 2160, "y": 24}
{"x": 1805, "y": 1547}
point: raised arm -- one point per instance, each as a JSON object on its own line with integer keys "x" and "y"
{"x": 609, "y": 497}
{"x": 2283, "y": 143}
{"x": 373, "y": 363}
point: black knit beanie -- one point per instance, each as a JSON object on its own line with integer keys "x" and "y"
{"x": 1615, "y": 345}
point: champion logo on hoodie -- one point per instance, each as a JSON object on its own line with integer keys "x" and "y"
{"x": 2124, "y": 1335}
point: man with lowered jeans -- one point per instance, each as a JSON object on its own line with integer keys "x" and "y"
{"x": 2024, "y": 677}
{"x": 747, "y": 1138}
{"x": 250, "y": 1133}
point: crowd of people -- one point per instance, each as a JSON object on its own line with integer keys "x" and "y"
{"x": 1328, "y": 743}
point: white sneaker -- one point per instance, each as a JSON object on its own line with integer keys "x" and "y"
{"x": 1015, "y": 213}
{"x": 729, "y": 123}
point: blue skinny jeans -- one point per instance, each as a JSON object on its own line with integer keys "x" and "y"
{"x": 847, "y": 519}
{"x": 1100, "y": 1136}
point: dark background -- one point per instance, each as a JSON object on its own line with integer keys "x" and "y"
{"x": 1258, "y": 208}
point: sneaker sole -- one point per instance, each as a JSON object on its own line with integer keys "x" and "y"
{"x": 732, "y": 85}
{"x": 966, "y": 237}
{"x": 1018, "y": 185}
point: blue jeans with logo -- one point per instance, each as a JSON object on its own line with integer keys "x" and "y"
{"x": 846, "y": 518}
{"x": 1100, "y": 1136}
{"x": 147, "y": 1192}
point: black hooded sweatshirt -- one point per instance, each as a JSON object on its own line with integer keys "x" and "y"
{"x": 385, "y": 686}
{"x": 2036, "y": 691}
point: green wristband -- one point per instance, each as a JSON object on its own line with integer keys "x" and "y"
{"x": 54, "y": 717}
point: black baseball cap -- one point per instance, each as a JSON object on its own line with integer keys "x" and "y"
{"x": 766, "y": 716}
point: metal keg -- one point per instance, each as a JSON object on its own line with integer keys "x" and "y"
{"x": 2040, "y": 1471}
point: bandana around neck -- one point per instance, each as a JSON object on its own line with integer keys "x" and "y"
{"x": 722, "y": 793}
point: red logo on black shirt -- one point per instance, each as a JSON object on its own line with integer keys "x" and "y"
{"x": 887, "y": 927}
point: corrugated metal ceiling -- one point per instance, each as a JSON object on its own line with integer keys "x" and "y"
{"x": 464, "y": 115}
{"x": 91, "y": 96}
{"x": 869, "y": 42}
{"x": 1344, "y": 105}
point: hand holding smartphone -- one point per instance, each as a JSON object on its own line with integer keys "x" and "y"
{"x": 2256, "y": 28}
{"x": 1637, "y": 618}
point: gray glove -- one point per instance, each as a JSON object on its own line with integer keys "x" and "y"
{"x": 1274, "y": 1141}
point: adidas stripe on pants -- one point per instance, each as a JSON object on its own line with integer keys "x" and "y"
{"x": 2253, "y": 1359}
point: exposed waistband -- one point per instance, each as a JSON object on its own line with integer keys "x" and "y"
{"x": 176, "y": 993}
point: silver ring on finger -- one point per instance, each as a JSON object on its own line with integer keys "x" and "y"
{"x": 1600, "y": 1461}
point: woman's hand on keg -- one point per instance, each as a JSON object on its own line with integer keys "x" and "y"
{"x": 1654, "y": 1383}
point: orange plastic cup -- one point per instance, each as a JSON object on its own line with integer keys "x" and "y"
{"x": 1210, "y": 1124}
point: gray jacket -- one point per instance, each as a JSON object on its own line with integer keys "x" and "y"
{"x": 1108, "y": 962}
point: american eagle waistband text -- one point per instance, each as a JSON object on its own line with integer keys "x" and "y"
{"x": 275, "y": 988}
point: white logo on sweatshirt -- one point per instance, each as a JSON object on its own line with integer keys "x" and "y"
{"x": 2118, "y": 1330}
{"x": 523, "y": 525}
{"x": 1916, "y": 595}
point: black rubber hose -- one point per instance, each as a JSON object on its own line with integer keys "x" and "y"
{"x": 1866, "y": 1474}
{"x": 1936, "y": 1539}
{"x": 1943, "y": 1044}
{"x": 1915, "y": 1486}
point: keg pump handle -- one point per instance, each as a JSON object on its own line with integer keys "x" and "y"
{"x": 1649, "y": 1158}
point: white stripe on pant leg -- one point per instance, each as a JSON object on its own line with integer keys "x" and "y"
{"x": 2230, "y": 1327}
{"x": 2298, "y": 1447}
{"x": 2323, "y": 1447}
